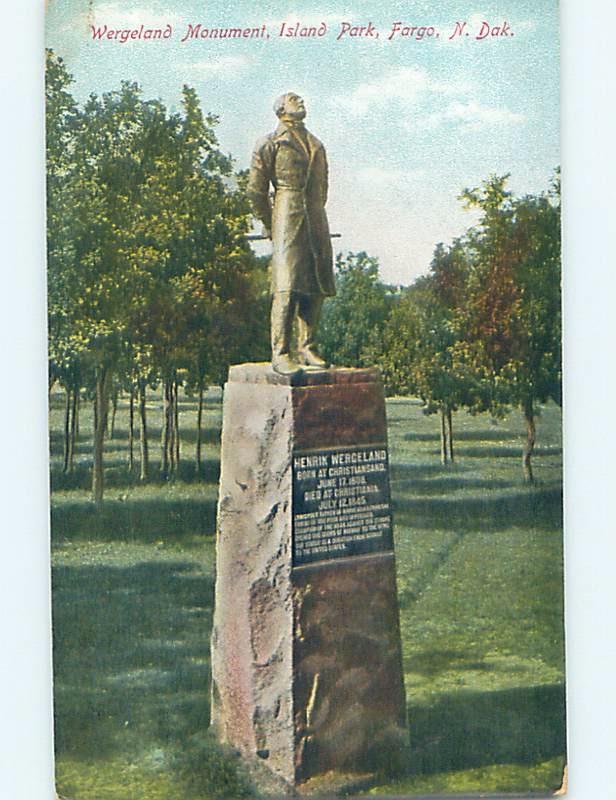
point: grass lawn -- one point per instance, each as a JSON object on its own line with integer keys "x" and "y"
{"x": 479, "y": 558}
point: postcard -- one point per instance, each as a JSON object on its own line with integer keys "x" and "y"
{"x": 305, "y": 388}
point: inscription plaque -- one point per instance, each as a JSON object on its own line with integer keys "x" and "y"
{"x": 341, "y": 503}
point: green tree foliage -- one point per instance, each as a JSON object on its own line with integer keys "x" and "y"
{"x": 419, "y": 344}
{"x": 67, "y": 364}
{"x": 150, "y": 276}
{"x": 353, "y": 321}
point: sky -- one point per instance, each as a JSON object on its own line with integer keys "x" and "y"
{"x": 408, "y": 121}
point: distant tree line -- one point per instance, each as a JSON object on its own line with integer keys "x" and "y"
{"x": 481, "y": 331}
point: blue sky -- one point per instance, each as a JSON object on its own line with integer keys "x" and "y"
{"x": 407, "y": 124}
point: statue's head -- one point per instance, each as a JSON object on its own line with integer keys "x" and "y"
{"x": 290, "y": 106}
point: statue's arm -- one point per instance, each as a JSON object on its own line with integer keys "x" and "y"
{"x": 261, "y": 168}
{"x": 325, "y": 181}
{"x": 320, "y": 172}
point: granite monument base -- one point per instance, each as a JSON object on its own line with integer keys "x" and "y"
{"x": 306, "y": 660}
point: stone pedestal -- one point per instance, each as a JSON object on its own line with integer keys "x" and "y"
{"x": 306, "y": 661}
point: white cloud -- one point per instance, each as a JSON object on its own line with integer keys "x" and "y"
{"x": 114, "y": 15}
{"x": 413, "y": 90}
{"x": 474, "y": 116}
{"x": 408, "y": 85}
{"x": 228, "y": 66}
{"x": 404, "y": 83}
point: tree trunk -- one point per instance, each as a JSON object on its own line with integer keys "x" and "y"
{"x": 171, "y": 424}
{"x": 94, "y": 416}
{"x": 67, "y": 424}
{"x": 102, "y": 399}
{"x": 450, "y": 434}
{"x": 77, "y": 409}
{"x": 74, "y": 423}
{"x": 529, "y": 444}
{"x": 166, "y": 431}
{"x": 143, "y": 434}
{"x": 199, "y": 422}
{"x": 114, "y": 408}
{"x": 131, "y": 428}
{"x": 176, "y": 423}
{"x": 443, "y": 437}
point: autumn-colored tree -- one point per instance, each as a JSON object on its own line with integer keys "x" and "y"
{"x": 512, "y": 313}
{"x": 482, "y": 329}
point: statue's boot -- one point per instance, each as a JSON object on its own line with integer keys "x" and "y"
{"x": 285, "y": 365}
{"x": 283, "y": 306}
{"x": 309, "y": 311}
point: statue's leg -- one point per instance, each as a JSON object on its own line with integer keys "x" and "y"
{"x": 308, "y": 313}
{"x": 283, "y": 310}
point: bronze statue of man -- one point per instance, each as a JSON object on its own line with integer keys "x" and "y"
{"x": 292, "y": 161}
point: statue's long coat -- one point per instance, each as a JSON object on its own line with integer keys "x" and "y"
{"x": 302, "y": 259}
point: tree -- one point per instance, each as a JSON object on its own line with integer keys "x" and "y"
{"x": 201, "y": 311}
{"x": 121, "y": 139}
{"x": 62, "y": 126}
{"x": 512, "y": 313}
{"x": 353, "y": 321}
{"x": 417, "y": 355}
{"x": 482, "y": 330}
{"x": 151, "y": 278}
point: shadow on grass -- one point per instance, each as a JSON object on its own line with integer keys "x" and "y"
{"x": 489, "y": 435}
{"x": 418, "y": 470}
{"x": 117, "y": 475}
{"x": 449, "y": 483}
{"x": 119, "y": 440}
{"x": 505, "y": 452}
{"x": 115, "y": 452}
{"x": 208, "y": 436}
{"x": 131, "y": 657}
{"x": 474, "y": 729}
{"x": 433, "y": 663}
{"x": 532, "y": 508}
{"x": 143, "y": 520}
